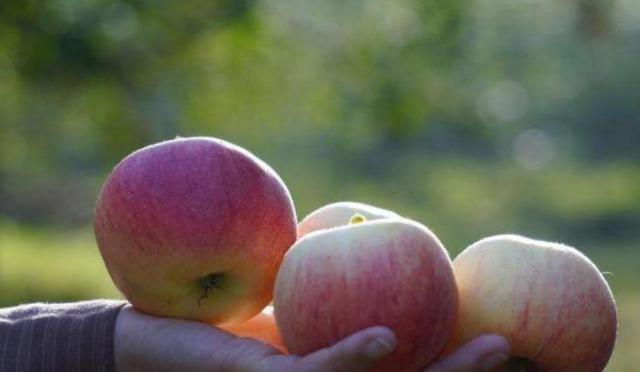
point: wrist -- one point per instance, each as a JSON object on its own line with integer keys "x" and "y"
{"x": 121, "y": 339}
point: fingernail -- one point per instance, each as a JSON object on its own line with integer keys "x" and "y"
{"x": 493, "y": 361}
{"x": 378, "y": 347}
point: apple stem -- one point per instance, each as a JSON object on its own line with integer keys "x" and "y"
{"x": 356, "y": 219}
{"x": 210, "y": 282}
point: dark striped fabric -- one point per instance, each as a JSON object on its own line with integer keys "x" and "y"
{"x": 58, "y": 337}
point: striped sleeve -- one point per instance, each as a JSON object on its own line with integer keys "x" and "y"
{"x": 59, "y": 337}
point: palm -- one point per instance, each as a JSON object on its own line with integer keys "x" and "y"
{"x": 144, "y": 342}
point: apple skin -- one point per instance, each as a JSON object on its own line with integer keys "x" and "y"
{"x": 261, "y": 327}
{"x": 389, "y": 272}
{"x": 338, "y": 214}
{"x": 195, "y": 228}
{"x": 549, "y": 300}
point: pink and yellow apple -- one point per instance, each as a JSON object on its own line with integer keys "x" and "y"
{"x": 337, "y": 214}
{"x": 389, "y": 272}
{"x": 195, "y": 228}
{"x": 549, "y": 300}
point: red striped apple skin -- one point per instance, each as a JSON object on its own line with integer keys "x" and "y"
{"x": 195, "y": 228}
{"x": 549, "y": 300}
{"x": 338, "y": 214}
{"x": 389, "y": 272}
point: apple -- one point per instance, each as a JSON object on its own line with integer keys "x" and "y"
{"x": 388, "y": 272}
{"x": 261, "y": 327}
{"x": 195, "y": 228}
{"x": 549, "y": 300}
{"x": 337, "y": 214}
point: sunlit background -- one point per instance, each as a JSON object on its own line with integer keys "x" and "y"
{"x": 473, "y": 117}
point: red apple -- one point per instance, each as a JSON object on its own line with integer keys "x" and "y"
{"x": 195, "y": 228}
{"x": 389, "y": 272}
{"x": 549, "y": 300}
{"x": 338, "y": 214}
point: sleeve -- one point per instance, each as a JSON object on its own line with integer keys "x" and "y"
{"x": 59, "y": 337}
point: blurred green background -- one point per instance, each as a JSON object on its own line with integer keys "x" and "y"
{"x": 475, "y": 118}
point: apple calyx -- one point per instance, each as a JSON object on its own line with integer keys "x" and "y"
{"x": 357, "y": 218}
{"x": 517, "y": 364}
{"x": 210, "y": 282}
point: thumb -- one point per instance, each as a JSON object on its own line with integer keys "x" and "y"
{"x": 358, "y": 352}
{"x": 481, "y": 354}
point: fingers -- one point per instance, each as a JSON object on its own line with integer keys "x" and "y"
{"x": 480, "y": 354}
{"x": 358, "y": 352}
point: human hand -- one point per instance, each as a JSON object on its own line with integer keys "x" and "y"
{"x": 483, "y": 353}
{"x": 144, "y": 343}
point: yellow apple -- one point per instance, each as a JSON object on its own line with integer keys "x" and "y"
{"x": 549, "y": 300}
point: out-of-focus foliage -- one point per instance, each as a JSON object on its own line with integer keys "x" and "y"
{"x": 355, "y": 86}
{"x": 473, "y": 117}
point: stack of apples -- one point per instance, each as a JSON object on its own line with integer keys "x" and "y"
{"x": 201, "y": 229}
